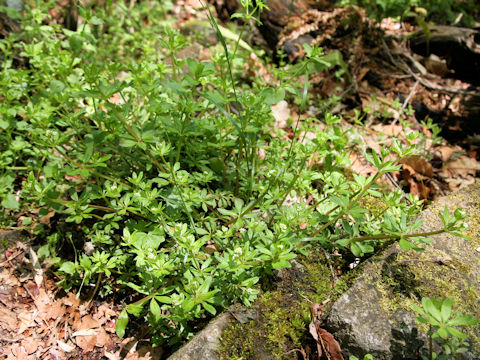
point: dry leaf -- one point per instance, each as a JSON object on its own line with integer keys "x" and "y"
{"x": 87, "y": 343}
{"x": 417, "y": 164}
{"x": 326, "y": 343}
{"x": 331, "y": 347}
{"x": 389, "y": 130}
{"x": 102, "y": 338}
{"x": 87, "y": 322}
{"x": 444, "y": 152}
{"x": 37, "y": 268}
{"x": 65, "y": 347}
{"x": 361, "y": 167}
{"x": 86, "y": 332}
{"x": 111, "y": 356}
{"x": 45, "y": 219}
{"x": 30, "y": 345}
{"x": 8, "y": 319}
{"x": 281, "y": 113}
{"x": 463, "y": 166}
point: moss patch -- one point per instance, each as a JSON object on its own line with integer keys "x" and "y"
{"x": 284, "y": 313}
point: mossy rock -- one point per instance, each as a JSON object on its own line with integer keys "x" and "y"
{"x": 280, "y": 326}
{"x": 376, "y": 314}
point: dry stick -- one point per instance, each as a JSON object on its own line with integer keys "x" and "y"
{"x": 425, "y": 83}
{"x": 19, "y": 252}
{"x": 327, "y": 257}
{"x": 407, "y": 100}
{"x": 431, "y": 86}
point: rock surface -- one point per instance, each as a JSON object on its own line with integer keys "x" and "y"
{"x": 374, "y": 316}
{"x": 205, "y": 344}
{"x": 7, "y": 237}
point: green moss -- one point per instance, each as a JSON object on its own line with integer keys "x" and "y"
{"x": 374, "y": 205}
{"x": 278, "y": 330}
{"x": 284, "y": 313}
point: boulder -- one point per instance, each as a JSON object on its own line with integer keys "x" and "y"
{"x": 376, "y": 315}
{"x": 205, "y": 344}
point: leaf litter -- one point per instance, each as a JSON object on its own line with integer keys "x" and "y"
{"x": 39, "y": 321}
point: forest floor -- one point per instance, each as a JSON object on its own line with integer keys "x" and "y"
{"x": 38, "y": 320}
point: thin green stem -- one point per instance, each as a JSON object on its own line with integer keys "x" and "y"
{"x": 387, "y": 236}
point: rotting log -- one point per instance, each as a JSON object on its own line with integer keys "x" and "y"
{"x": 277, "y": 17}
{"x": 460, "y": 47}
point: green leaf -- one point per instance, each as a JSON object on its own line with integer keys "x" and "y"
{"x": 272, "y": 96}
{"x": 122, "y": 322}
{"x": 460, "y": 235}
{"x": 405, "y": 244}
{"x": 135, "y": 309}
{"x": 463, "y": 320}
{"x": 4, "y": 124}
{"x": 446, "y": 309}
{"x": 155, "y": 308}
{"x": 188, "y": 305}
{"x": 232, "y": 36}
{"x": 76, "y": 43}
{"x": 458, "y": 334}
{"x": 10, "y": 202}
{"x": 442, "y": 332}
{"x": 209, "y": 308}
{"x": 96, "y": 21}
{"x": 164, "y": 299}
{"x": 57, "y": 86}
{"x": 68, "y": 267}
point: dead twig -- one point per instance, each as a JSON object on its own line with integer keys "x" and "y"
{"x": 405, "y": 68}
{"x": 19, "y": 252}
{"x": 407, "y": 100}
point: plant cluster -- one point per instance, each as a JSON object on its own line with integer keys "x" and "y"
{"x": 164, "y": 172}
{"x": 443, "y": 325}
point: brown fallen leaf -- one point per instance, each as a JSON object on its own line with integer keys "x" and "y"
{"x": 388, "y": 130}
{"x": 87, "y": 342}
{"x": 65, "y": 347}
{"x": 30, "y": 345}
{"x": 361, "y": 166}
{"x": 87, "y": 322}
{"x": 444, "y": 152}
{"x": 326, "y": 343}
{"x": 331, "y": 347}
{"x": 417, "y": 164}
{"x": 463, "y": 166}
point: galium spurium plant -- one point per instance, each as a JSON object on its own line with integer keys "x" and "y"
{"x": 165, "y": 178}
{"x": 444, "y": 325}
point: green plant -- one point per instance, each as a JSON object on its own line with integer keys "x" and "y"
{"x": 366, "y": 357}
{"x": 152, "y": 163}
{"x": 443, "y": 322}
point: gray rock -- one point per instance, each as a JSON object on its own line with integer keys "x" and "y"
{"x": 7, "y": 237}
{"x": 375, "y": 315}
{"x": 205, "y": 344}
{"x": 16, "y": 4}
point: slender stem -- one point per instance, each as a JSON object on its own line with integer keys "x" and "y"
{"x": 386, "y": 236}
{"x": 16, "y": 167}
{"x": 62, "y": 150}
